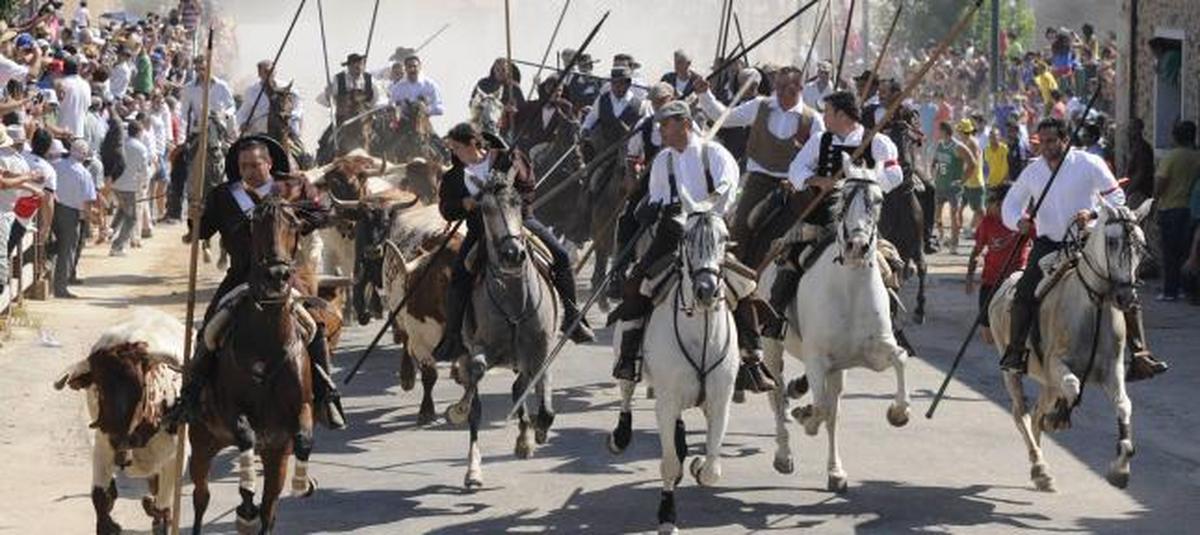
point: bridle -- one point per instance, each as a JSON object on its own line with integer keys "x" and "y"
{"x": 701, "y": 366}
{"x": 692, "y": 271}
{"x": 1078, "y": 244}
{"x": 851, "y": 188}
{"x": 277, "y": 209}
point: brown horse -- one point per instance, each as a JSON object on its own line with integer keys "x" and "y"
{"x": 406, "y": 134}
{"x": 281, "y": 104}
{"x": 261, "y": 399}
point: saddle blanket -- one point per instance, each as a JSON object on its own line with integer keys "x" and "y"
{"x": 217, "y": 328}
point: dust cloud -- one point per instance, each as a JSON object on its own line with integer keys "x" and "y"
{"x": 650, "y": 31}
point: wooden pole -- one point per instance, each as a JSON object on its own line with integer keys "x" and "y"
{"x": 328, "y": 77}
{"x": 813, "y": 44}
{"x": 195, "y": 206}
{"x": 887, "y": 40}
{"x": 371, "y": 31}
{"x": 549, "y": 46}
{"x": 837, "y": 73}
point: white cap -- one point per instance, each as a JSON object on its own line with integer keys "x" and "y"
{"x": 56, "y": 148}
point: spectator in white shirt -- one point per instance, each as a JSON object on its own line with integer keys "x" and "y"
{"x": 75, "y": 95}
{"x": 415, "y": 87}
{"x": 818, "y": 88}
{"x": 128, "y": 186}
{"x": 122, "y": 73}
{"x": 77, "y": 190}
{"x": 220, "y": 100}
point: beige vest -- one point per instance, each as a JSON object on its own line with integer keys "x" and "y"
{"x": 776, "y": 154}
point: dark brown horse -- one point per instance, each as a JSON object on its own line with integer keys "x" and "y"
{"x": 406, "y": 134}
{"x": 281, "y": 103}
{"x": 261, "y": 399}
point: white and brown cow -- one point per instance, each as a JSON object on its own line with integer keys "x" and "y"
{"x": 131, "y": 377}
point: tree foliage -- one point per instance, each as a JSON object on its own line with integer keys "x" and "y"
{"x": 925, "y": 22}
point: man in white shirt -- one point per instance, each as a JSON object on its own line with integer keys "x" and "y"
{"x": 820, "y": 87}
{"x": 257, "y": 119}
{"x": 220, "y": 100}
{"x": 779, "y": 126}
{"x": 122, "y": 73}
{"x": 138, "y": 165}
{"x": 76, "y": 192}
{"x": 615, "y": 111}
{"x": 415, "y": 87}
{"x": 1083, "y": 181}
{"x": 28, "y": 64}
{"x": 75, "y": 96}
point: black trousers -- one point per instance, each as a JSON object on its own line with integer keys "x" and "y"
{"x": 1028, "y": 283}
{"x": 67, "y": 236}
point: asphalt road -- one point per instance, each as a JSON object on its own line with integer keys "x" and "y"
{"x": 963, "y": 471}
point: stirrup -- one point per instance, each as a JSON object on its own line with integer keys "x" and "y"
{"x": 1014, "y": 361}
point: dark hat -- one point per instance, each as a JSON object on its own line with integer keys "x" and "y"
{"x": 463, "y": 133}
{"x": 353, "y": 58}
{"x": 864, "y": 76}
{"x": 620, "y": 73}
{"x": 279, "y": 157}
{"x": 401, "y": 53}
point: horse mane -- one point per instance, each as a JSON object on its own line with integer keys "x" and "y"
{"x": 703, "y": 237}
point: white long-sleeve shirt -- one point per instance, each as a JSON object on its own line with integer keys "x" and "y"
{"x": 405, "y": 90}
{"x": 258, "y": 124}
{"x": 118, "y": 81}
{"x": 75, "y": 95}
{"x": 1082, "y": 182}
{"x": 780, "y": 122}
{"x": 220, "y": 102}
{"x": 883, "y": 150}
{"x": 137, "y": 167}
{"x": 689, "y": 174}
{"x": 813, "y": 94}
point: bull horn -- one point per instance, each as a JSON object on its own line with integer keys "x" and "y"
{"x": 342, "y": 205}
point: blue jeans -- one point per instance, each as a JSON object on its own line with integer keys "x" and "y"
{"x": 1176, "y": 227}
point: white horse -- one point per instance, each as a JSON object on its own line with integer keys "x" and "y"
{"x": 691, "y": 350}
{"x": 839, "y": 320}
{"x": 1082, "y": 328}
{"x": 486, "y": 110}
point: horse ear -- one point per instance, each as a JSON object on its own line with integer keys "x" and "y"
{"x": 1143, "y": 211}
{"x": 288, "y": 88}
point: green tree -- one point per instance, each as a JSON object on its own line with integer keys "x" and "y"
{"x": 925, "y": 22}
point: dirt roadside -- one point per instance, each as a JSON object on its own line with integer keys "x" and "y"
{"x": 43, "y": 433}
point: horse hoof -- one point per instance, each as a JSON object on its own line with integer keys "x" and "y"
{"x": 897, "y": 416}
{"x": 919, "y": 318}
{"x": 784, "y": 465}
{"x": 161, "y": 526}
{"x": 473, "y": 481}
{"x": 1118, "y": 479}
{"x": 249, "y": 526}
{"x": 667, "y": 529}
{"x": 408, "y": 374}
{"x": 541, "y": 436}
{"x": 523, "y": 450}
{"x": 426, "y": 417}
{"x": 694, "y": 468}
{"x": 312, "y": 488}
{"x": 611, "y": 443}
{"x": 1041, "y": 479}
{"x": 456, "y": 414}
{"x": 796, "y": 388}
{"x": 739, "y": 396}
{"x": 107, "y": 527}
{"x": 837, "y": 484}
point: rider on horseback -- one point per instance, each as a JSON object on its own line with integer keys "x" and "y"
{"x": 476, "y": 156}
{"x": 256, "y": 167}
{"x": 812, "y": 172}
{"x": 1082, "y": 179}
{"x": 704, "y": 169}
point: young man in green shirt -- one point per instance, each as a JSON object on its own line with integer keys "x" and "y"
{"x": 950, "y": 157}
{"x": 1172, "y": 189}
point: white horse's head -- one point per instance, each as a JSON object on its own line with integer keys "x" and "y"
{"x": 486, "y": 110}
{"x": 500, "y": 206}
{"x": 856, "y": 211}
{"x": 705, "y": 237}
{"x": 1113, "y": 251}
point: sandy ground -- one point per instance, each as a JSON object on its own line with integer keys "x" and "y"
{"x": 963, "y": 471}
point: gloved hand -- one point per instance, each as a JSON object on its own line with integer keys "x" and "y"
{"x": 647, "y": 213}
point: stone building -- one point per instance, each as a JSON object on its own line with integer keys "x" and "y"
{"x": 1159, "y": 76}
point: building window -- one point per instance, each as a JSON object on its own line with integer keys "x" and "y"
{"x": 1168, "y": 86}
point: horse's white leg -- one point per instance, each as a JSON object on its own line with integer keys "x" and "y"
{"x": 1114, "y": 385}
{"x": 898, "y": 413}
{"x": 1068, "y": 386}
{"x": 773, "y": 358}
{"x": 476, "y": 369}
{"x": 524, "y": 446}
{"x": 811, "y": 416}
{"x": 621, "y": 435}
{"x": 716, "y": 411}
{"x": 833, "y": 400}
{"x": 670, "y": 467}
{"x": 1020, "y": 413}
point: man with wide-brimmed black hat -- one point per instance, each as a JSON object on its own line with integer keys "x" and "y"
{"x": 256, "y": 167}
{"x": 476, "y": 157}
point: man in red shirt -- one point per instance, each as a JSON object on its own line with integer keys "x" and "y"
{"x": 996, "y": 242}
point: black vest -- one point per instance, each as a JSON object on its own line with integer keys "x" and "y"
{"x": 613, "y": 126}
{"x": 829, "y": 158}
{"x": 649, "y": 149}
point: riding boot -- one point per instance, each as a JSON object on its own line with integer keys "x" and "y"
{"x": 783, "y": 290}
{"x": 1022, "y": 318}
{"x": 325, "y": 393}
{"x": 451, "y": 345}
{"x": 564, "y": 284}
{"x": 628, "y": 366}
{"x": 1142, "y": 365}
{"x": 752, "y": 374}
{"x": 187, "y": 409}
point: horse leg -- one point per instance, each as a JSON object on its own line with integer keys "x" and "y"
{"x": 470, "y": 373}
{"x": 104, "y": 489}
{"x": 622, "y": 435}
{"x": 162, "y": 486}
{"x": 898, "y": 413}
{"x": 833, "y": 400}
{"x": 545, "y": 415}
{"x": 670, "y": 467}
{"x": 1016, "y": 393}
{"x": 248, "y": 514}
{"x": 524, "y": 447}
{"x": 600, "y": 271}
{"x": 204, "y": 447}
{"x": 810, "y": 416}
{"x": 1069, "y": 387}
{"x": 716, "y": 412}
{"x": 476, "y": 368}
{"x": 275, "y": 461}
{"x": 408, "y": 370}
{"x": 425, "y": 415}
{"x": 773, "y": 357}
{"x": 303, "y": 485}
{"x": 922, "y": 270}
{"x": 1114, "y": 386}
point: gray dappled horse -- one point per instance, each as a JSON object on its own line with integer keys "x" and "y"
{"x": 1081, "y": 337}
{"x": 514, "y": 317}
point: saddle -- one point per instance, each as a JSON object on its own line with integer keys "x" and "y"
{"x": 218, "y": 328}
{"x": 1054, "y": 267}
{"x": 664, "y": 274}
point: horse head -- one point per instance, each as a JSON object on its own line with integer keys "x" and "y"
{"x": 275, "y": 231}
{"x": 500, "y": 205}
{"x": 856, "y": 210}
{"x": 281, "y": 103}
{"x": 705, "y": 238}
{"x": 486, "y": 110}
{"x": 1113, "y": 251}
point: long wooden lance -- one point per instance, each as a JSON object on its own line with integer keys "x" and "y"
{"x": 887, "y": 40}
{"x": 837, "y": 76}
{"x": 430, "y": 39}
{"x": 813, "y": 44}
{"x": 549, "y": 46}
{"x": 195, "y": 206}
{"x": 271, "y": 72}
{"x": 1012, "y": 256}
{"x": 602, "y": 158}
{"x": 328, "y": 76}
{"x": 620, "y": 259}
{"x": 371, "y": 31}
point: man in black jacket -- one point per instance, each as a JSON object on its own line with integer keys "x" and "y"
{"x": 479, "y": 154}
{"x": 255, "y": 167}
